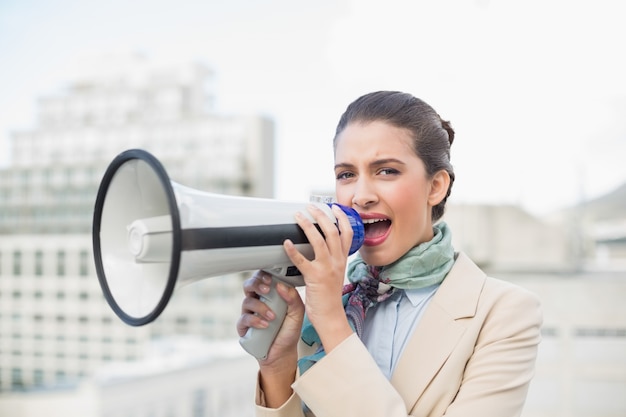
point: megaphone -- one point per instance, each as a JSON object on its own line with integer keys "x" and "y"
{"x": 151, "y": 235}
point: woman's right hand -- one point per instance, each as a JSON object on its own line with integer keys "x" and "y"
{"x": 255, "y": 313}
{"x": 278, "y": 369}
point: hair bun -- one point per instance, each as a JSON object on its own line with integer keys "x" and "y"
{"x": 448, "y": 128}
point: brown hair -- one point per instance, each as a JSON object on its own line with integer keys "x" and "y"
{"x": 432, "y": 136}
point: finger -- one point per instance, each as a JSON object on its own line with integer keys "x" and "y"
{"x": 329, "y": 229}
{"x": 297, "y": 259}
{"x": 314, "y": 237}
{"x": 346, "y": 232}
{"x": 247, "y": 321}
{"x": 258, "y": 284}
{"x": 254, "y": 312}
{"x": 295, "y": 305}
{"x": 287, "y": 293}
{"x": 256, "y": 306}
{"x": 309, "y": 225}
{"x": 334, "y": 241}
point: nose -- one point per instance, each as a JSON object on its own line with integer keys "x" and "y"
{"x": 364, "y": 194}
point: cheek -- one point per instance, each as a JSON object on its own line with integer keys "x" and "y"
{"x": 343, "y": 196}
{"x": 410, "y": 202}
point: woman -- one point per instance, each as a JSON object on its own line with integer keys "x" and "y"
{"x": 419, "y": 330}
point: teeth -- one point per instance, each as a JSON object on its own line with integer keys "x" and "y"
{"x": 370, "y": 221}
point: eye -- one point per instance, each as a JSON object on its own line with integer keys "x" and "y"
{"x": 388, "y": 171}
{"x": 343, "y": 175}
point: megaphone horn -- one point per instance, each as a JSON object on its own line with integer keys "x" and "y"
{"x": 151, "y": 235}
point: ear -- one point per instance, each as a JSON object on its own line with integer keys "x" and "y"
{"x": 439, "y": 184}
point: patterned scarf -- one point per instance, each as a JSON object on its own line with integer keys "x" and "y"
{"x": 426, "y": 264}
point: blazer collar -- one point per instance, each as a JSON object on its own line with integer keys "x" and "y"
{"x": 438, "y": 331}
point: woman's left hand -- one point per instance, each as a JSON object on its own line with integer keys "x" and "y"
{"x": 324, "y": 275}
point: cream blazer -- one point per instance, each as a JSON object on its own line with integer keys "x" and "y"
{"x": 471, "y": 355}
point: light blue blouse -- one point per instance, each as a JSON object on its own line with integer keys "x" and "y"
{"x": 389, "y": 325}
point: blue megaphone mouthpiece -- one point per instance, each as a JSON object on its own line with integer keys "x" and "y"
{"x": 358, "y": 235}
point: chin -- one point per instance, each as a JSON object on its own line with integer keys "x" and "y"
{"x": 374, "y": 257}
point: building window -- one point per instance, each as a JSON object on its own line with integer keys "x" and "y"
{"x": 199, "y": 403}
{"x": 550, "y": 332}
{"x": 16, "y": 378}
{"x": 61, "y": 263}
{"x": 600, "y": 332}
{"x": 38, "y": 376}
{"x": 83, "y": 268}
{"x": 17, "y": 263}
{"x": 38, "y": 263}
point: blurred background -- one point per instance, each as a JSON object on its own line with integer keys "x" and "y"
{"x": 242, "y": 98}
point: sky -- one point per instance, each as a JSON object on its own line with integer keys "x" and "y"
{"x": 535, "y": 90}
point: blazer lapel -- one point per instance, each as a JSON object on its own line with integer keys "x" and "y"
{"x": 438, "y": 331}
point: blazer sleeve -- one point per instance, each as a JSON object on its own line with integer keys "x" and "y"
{"x": 291, "y": 408}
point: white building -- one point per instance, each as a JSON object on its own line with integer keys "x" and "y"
{"x": 176, "y": 378}
{"x": 507, "y": 238}
{"x": 581, "y": 365}
{"x": 54, "y": 323}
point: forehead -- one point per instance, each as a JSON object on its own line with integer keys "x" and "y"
{"x": 376, "y": 139}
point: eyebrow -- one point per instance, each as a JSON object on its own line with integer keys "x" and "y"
{"x": 377, "y": 162}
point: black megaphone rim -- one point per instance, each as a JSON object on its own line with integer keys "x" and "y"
{"x": 164, "y": 179}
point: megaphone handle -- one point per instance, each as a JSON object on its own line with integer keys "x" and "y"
{"x": 257, "y": 342}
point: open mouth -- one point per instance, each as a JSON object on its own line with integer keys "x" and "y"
{"x": 376, "y": 228}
